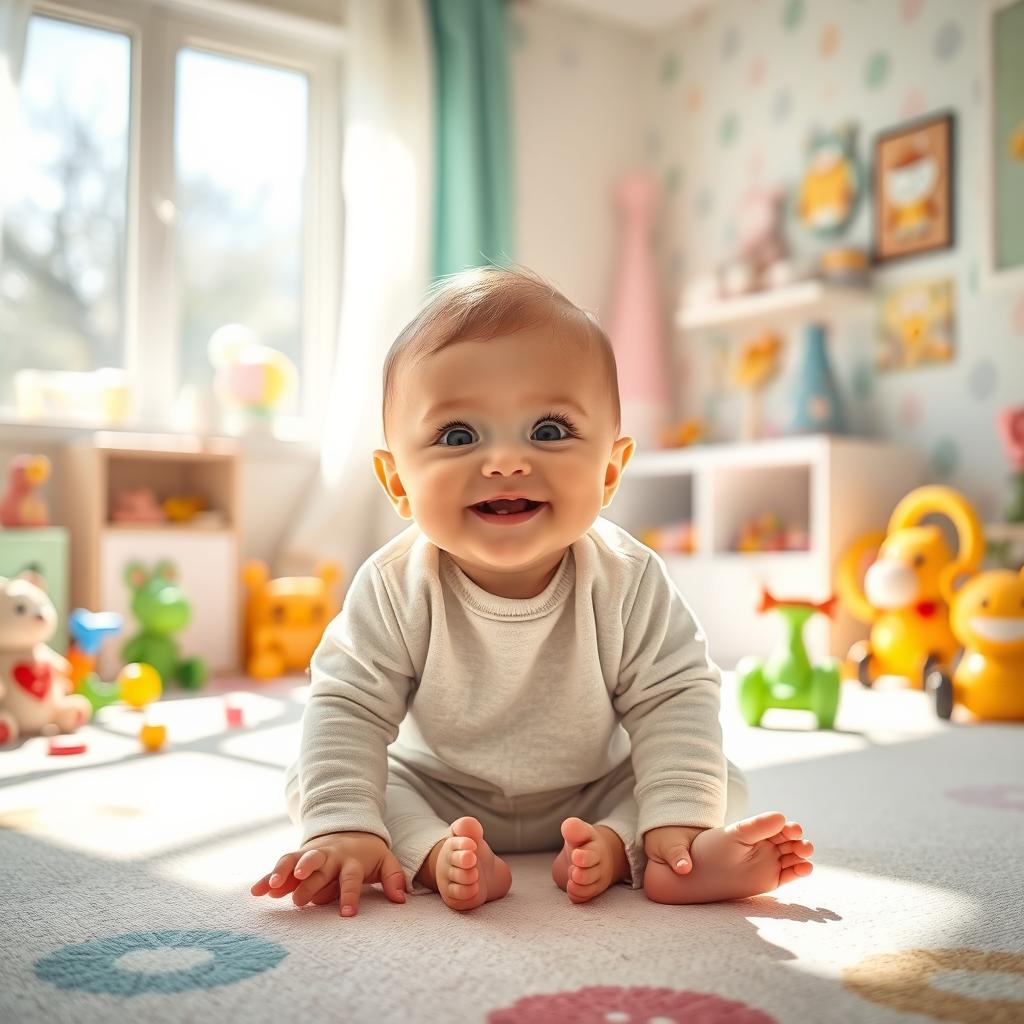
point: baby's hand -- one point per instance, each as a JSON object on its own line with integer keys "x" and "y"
{"x": 670, "y": 845}
{"x": 335, "y": 865}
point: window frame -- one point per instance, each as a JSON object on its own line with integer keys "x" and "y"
{"x": 157, "y": 30}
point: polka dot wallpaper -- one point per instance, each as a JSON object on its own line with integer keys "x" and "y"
{"x": 725, "y": 100}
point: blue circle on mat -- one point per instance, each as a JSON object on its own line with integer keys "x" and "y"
{"x": 92, "y": 966}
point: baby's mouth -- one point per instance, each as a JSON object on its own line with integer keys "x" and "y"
{"x": 506, "y": 506}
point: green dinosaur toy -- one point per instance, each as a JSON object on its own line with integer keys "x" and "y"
{"x": 162, "y": 610}
{"x": 787, "y": 679}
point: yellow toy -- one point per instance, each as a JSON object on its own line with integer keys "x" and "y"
{"x": 903, "y": 594}
{"x": 987, "y": 615}
{"x": 153, "y": 736}
{"x": 285, "y": 618}
{"x": 139, "y": 684}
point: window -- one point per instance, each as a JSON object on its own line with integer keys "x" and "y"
{"x": 176, "y": 172}
{"x": 62, "y": 286}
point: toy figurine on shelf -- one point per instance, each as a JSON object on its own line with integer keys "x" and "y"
{"x": 22, "y": 504}
{"x": 285, "y": 618}
{"x": 756, "y": 364}
{"x": 674, "y": 538}
{"x": 162, "y": 609}
{"x": 787, "y": 679}
{"x": 987, "y": 616}
{"x": 682, "y": 434}
{"x": 902, "y": 596}
{"x": 767, "y": 532}
{"x": 137, "y": 505}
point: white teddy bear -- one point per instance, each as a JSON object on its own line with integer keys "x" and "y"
{"x": 35, "y": 680}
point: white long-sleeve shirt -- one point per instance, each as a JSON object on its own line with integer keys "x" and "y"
{"x": 518, "y": 695}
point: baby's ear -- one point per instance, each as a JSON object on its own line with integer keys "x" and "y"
{"x": 387, "y": 474}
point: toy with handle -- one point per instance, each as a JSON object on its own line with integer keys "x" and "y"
{"x": 786, "y": 678}
{"x": 902, "y": 595}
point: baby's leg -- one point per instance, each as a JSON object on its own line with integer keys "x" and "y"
{"x": 744, "y": 858}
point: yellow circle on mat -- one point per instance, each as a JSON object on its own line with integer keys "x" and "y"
{"x": 903, "y": 981}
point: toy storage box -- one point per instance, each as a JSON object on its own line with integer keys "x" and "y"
{"x": 95, "y": 471}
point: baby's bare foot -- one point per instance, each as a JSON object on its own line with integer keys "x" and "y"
{"x": 591, "y": 860}
{"x": 743, "y": 859}
{"x": 467, "y": 872}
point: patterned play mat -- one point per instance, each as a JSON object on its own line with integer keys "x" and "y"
{"x": 125, "y": 890}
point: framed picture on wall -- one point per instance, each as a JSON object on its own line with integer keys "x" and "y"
{"x": 913, "y": 178}
{"x": 1004, "y": 144}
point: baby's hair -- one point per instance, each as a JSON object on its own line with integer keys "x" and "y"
{"x": 487, "y": 301}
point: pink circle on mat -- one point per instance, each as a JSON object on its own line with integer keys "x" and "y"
{"x": 911, "y": 409}
{"x": 633, "y": 1005}
{"x": 1008, "y": 796}
{"x": 911, "y": 9}
{"x": 1018, "y": 317}
{"x": 914, "y": 103}
{"x": 757, "y": 70}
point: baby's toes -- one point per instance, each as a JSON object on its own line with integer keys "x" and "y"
{"x": 801, "y": 869}
{"x": 585, "y": 876}
{"x": 802, "y": 847}
{"x": 463, "y": 858}
{"x": 585, "y": 858}
{"x": 464, "y": 876}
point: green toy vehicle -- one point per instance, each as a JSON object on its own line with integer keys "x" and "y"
{"x": 787, "y": 679}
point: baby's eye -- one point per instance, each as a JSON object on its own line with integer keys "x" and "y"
{"x": 553, "y": 431}
{"x": 461, "y": 432}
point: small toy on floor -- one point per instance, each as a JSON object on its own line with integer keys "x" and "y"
{"x": 787, "y": 679}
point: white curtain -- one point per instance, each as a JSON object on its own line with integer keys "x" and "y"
{"x": 14, "y": 15}
{"x": 387, "y": 187}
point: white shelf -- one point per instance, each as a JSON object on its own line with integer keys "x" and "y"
{"x": 815, "y": 482}
{"x": 777, "y": 304}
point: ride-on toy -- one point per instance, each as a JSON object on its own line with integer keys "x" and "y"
{"x": 787, "y": 679}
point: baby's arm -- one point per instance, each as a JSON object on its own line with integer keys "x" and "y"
{"x": 361, "y": 681}
{"x": 669, "y": 695}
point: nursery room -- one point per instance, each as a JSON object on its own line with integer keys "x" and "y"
{"x": 690, "y": 689}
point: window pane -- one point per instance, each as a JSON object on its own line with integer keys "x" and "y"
{"x": 240, "y": 153}
{"x": 63, "y": 264}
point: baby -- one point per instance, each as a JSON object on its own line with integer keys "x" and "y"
{"x": 513, "y": 672}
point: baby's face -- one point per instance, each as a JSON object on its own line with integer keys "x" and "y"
{"x": 521, "y": 415}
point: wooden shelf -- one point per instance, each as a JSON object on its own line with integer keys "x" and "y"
{"x": 803, "y": 299}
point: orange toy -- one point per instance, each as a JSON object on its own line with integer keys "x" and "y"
{"x": 903, "y": 594}
{"x": 285, "y": 618}
{"x": 987, "y": 615}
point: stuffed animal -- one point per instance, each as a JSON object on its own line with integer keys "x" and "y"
{"x": 35, "y": 684}
{"x": 162, "y": 610}
{"x": 285, "y": 618}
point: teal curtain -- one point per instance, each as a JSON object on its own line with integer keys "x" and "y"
{"x": 473, "y": 180}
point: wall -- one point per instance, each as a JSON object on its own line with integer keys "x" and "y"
{"x": 735, "y": 93}
{"x": 578, "y": 94}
